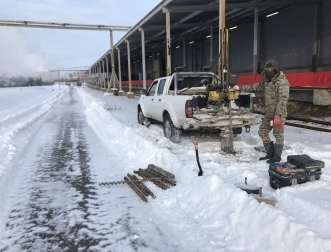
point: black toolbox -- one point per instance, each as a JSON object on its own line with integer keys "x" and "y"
{"x": 297, "y": 170}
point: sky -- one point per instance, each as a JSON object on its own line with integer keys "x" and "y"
{"x": 206, "y": 213}
{"x": 28, "y": 50}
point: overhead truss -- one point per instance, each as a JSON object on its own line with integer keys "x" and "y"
{"x": 53, "y": 25}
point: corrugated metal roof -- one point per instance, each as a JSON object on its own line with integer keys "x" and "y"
{"x": 193, "y": 18}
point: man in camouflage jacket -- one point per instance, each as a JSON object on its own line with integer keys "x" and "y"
{"x": 276, "y": 94}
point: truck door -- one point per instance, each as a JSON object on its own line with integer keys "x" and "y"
{"x": 157, "y": 107}
{"x": 149, "y": 99}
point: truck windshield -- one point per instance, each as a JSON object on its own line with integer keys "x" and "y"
{"x": 152, "y": 89}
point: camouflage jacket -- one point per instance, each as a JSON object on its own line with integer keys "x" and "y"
{"x": 276, "y": 94}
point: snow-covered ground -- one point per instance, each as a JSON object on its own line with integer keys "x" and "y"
{"x": 58, "y": 143}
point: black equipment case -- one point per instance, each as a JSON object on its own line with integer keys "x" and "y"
{"x": 297, "y": 170}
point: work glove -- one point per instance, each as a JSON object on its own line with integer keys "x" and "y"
{"x": 236, "y": 87}
{"x": 278, "y": 123}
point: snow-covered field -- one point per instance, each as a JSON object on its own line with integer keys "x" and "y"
{"x": 96, "y": 138}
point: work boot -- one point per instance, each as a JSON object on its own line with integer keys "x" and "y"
{"x": 278, "y": 149}
{"x": 269, "y": 148}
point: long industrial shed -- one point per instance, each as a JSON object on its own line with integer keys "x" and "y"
{"x": 185, "y": 33}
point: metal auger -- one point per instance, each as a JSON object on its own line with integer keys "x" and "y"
{"x": 164, "y": 179}
{"x": 160, "y": 170}
{"x": 141, "y": 186}
{"x": 136, "y": 189}
{"x": 124, "y": 181}
{"x": 154, "y": 174}
{"x": 148, "y": 176}
{"x": 112, "y": 183}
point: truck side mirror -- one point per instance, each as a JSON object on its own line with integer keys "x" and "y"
{"x": 143, "y": 92}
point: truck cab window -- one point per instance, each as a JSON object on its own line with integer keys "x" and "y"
{"x": 161, "y": 87}
{"x": 172, "y": 85}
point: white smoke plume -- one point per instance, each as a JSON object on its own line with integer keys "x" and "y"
{"x": 16, "y": 57}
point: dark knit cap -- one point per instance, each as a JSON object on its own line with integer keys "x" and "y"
{"x": 272, "y": 64}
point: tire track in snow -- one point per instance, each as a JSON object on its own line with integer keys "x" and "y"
{"x": 22, "y": 121}
{"x": 44, "y": 220}
{"x": 22, "y": 116}
{"x": 60, "y": 207}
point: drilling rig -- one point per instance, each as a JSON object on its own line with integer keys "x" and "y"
{"x": 224, "y": 71}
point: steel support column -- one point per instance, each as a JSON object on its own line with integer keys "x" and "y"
{"x": 255, "y": 45}
{"x": 201, "y": 45}
{"x": 184, "y": 54}
{"x": 99, "y": 72}
{"x": 113, "y": 77}
{"x": 211, "y": 47}
{"x": 95, "y": 75}
{"x": 91, "y": 74}
{"x": 135, "y": 68}
{"x": 153, "y": 57}
{"x": 129, "y": 94}
{"x": 121, "y": 92}
{"x": 143, "y": 56}
{"x": 107, "y": 76}
{"x": 103, "y": 84}
{"x": 316, "y": 41}
{"x": 168, "y": 42}
{"x": 95, "y": 79}
{"x": 221, "y": 41}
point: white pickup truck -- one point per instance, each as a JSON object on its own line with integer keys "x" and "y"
{"x": 194, "y": 101}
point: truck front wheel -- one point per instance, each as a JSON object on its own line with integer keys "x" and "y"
{"x": 142, "y": 119}
{"x": 170, "y": 131}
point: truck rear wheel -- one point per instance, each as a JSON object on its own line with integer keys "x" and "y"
{"x": 170, "y": 131}
{"x": 142, "y": 119}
